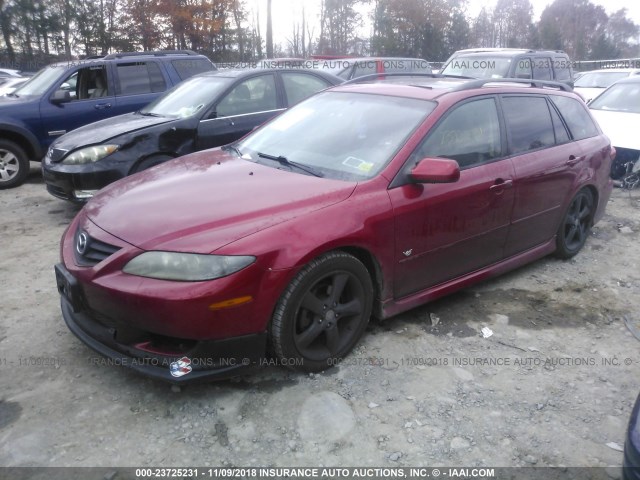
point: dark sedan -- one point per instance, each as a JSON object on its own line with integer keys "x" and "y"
{"x": 207, "y": 110}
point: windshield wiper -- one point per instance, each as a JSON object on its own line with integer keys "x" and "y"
{"x": 226, "y": 148}
{"x": 285, "y": 161}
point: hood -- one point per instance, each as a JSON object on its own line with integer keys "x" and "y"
{"x": 103, "y": 130}
{"x": 201, "y": 202}
{"x": 621, "y": 127}
{"x": 588, "y": 93}
{"x": 7, "y": 102}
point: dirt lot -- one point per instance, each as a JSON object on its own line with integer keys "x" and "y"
{"x": 554, "y": 385}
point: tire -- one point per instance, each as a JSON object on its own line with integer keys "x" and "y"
{"x": 14, "y": 165}
{"x": 150, "y": 162}
{"x": 322, "y": 314}
{"x": 576, "y": 224}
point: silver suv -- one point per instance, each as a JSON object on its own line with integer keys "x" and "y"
{"x": 510, "y": 63}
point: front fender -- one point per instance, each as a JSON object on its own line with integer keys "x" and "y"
{"x": 19, "y": 132}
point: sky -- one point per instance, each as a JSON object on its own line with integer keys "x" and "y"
{"x": 285, "y": 12}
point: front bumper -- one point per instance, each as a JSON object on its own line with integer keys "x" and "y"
{"x": 67, "y": 181}
{"x": 209, "y": 359}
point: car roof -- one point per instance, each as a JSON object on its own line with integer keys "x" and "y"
{"x": 504, "y": 52}
{"x": 431, "y": 87}
{"x": 246, "y": 72}
{"x": 613, "y": 70}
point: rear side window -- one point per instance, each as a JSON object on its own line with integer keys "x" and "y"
{"x": 542, "y": 68}
{"x": 576, "y": 117}
{"x": 299, "y": 86}
{"x": 529, "y": 123}
{"x": 365, "y": 67}
{"x": 187, "y": 67}
{"x": 562, "y": 67}
{"x": 136, "y": 78}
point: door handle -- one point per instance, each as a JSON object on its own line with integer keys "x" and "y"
{"x": 500, "y": 184}
{"x": 573, "y": 160}
{"x": 102, "y": 106}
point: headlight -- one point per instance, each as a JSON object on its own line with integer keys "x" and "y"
{"x": 90, "y": 154}
{"x": 188, "y": 267}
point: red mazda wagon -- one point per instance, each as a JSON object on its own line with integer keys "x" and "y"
{"x": 367, "y": 199}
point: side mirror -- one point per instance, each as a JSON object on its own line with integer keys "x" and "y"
{"x": 60, "y": 96}
{"x": 435, "y": 170}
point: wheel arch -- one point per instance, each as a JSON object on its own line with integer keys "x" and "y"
{"x": 375, "y": 272}
{"x": 596, "y": 199}
{"x": 24, "y": 139}
{"x": 135, "y": 167}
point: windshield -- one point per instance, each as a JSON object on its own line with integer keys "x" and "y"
{"x": 187, "y": 98}
{"x": 621, "y": 97}
{"x": 40, "y": 82}
{"x": 345, "y": 136}
{"x": 478, "y": 66}
{"x": 599, "y": 79}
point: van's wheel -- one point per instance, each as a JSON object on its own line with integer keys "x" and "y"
{"x": 322, "y": 313}
{"x": 151, "y": 162}
{"x": 576, "y": 224}
{"x": 14, "y": 165}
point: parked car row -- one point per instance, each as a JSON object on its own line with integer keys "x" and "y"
{"x": 207, "y": 110}
{"x": 198, "y": 267}
{"x": 68, "y": 95}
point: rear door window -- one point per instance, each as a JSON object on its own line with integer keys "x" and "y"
{"x": 135, "y": 78}
{"x": 187, "y": 67}
{"x": 529, "y": 124}
{"x": 299, "y": 86}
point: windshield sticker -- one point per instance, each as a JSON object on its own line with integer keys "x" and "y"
{"x": 358, "y": 164}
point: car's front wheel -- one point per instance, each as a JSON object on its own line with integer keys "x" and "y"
{"x": 574, "y": 230}
{"x": 14, "y": 164}
{"x": 322, "y": 313}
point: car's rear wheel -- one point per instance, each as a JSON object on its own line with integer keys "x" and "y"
{"x": 322, "y": 313}
{"x": 576, "y": 224}
{"x": 14, "y": 165}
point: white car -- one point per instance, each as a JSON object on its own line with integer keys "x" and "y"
{"x": 8, "y": 85}
{"x": 591, "y": 84}
{"x": 617, "y": 110}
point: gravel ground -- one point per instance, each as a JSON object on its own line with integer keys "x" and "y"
{"x": 554, "y": 384}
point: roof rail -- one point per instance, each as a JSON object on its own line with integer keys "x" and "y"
{"x": 93, "y": 57}
{"x": 376, "y": 76}
{"x": 155, "y": 53}
{"x": 532, "y": 83}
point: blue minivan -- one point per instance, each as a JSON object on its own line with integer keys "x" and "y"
{"x": 67, "y": 95}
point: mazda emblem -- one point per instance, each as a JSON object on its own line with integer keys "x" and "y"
{"x": 82, "y": 242}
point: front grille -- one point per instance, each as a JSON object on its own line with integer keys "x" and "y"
{"x": 90, "y": 251}
{"x": 56, "y": 154}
